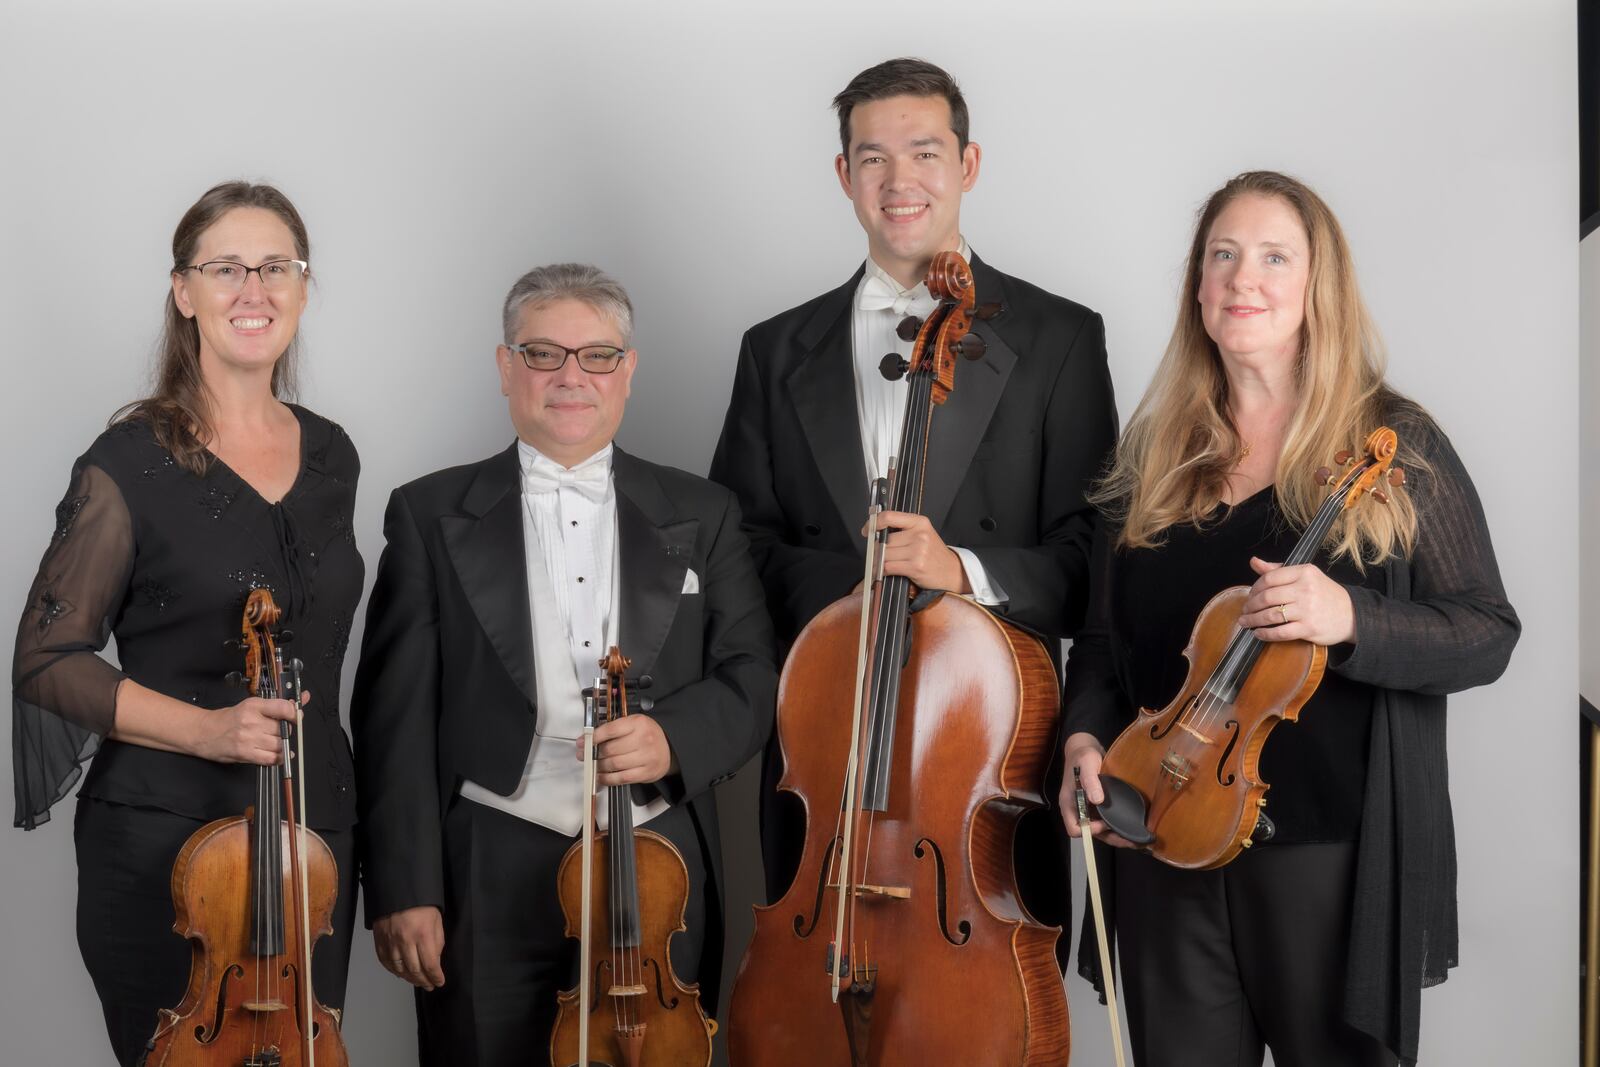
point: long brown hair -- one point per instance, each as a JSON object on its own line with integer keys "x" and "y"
{"x": 1174, "y": 460}
{"x": 179, "y": 409}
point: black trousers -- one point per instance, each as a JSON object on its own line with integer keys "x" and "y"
{"x": 1217, "y": 965}
{"x": 125, "y": 917}
{"x": 506, "y": 953}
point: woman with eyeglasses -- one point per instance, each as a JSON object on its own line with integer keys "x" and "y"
{"x": 209, "y": 488}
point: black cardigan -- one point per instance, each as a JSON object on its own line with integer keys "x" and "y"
{"x": 1441, "y": 624}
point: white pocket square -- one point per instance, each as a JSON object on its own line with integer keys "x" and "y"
{"x": 691, "y": 582}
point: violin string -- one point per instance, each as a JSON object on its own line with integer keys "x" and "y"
{"x": 1243, "y": 647}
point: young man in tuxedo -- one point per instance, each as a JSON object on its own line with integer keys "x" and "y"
{"x": 502, "y": 584}
{"x": 1011, "y": 455}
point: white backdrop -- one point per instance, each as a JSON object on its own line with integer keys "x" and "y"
{"x": 437, "y": 153}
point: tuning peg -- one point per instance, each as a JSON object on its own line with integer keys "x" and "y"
{"x": 908, "y": 329}
{"x": 972, "y": 346}
{"x": 988, "y": 311}
{"x": 893, "y": 366}
{"x": 646, "y": 704}
{"x": 1397, "y": 477}
{"x": 284, "y": 637}
{"x": 296, "y": 665}
{"x": 1323, "y": 476}
{"x": 234, "y": 678}
{"x": 1343, "y": 457}
{"x": 1379, "y": 495}
{"x": 232, "y": 645}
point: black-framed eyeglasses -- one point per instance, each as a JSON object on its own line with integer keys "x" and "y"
{"x": 549, "y": 356}
{"x": 229, "y": 274}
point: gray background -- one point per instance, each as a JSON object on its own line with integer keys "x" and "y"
{"x": 687, "y": 147}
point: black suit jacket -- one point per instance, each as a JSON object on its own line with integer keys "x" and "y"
{"x": 445, "y": 687}
{"x": 1012, "y": 453}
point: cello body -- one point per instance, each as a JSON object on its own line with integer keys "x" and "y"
{"x": 220, "y": 1020}
{"x": 963, "y": 973}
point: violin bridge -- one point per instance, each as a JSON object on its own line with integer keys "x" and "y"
{"x": 1196, "y": 734}
{"x": 1178, "y": 770}
{"x": 264, "y": 1005}
{"x": 626, "y": 991}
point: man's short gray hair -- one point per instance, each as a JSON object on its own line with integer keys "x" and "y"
{"x": 569, "y": 281}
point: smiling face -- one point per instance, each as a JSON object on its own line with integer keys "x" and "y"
{"x": 1253, "y": 282}
{"x": 250, "y": 328}
{"x": 567, "y": 414}
{"x": 905, "y": 174}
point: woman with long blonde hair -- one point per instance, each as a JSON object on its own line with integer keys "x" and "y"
{"x": 1315, "y": 944}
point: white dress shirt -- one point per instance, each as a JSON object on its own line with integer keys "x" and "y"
{"x": 569, "y": 528}
{"x": 881, "y": 404}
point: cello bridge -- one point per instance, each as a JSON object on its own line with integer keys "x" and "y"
{"x": 896, "y": 893}
{"x": 1178, "y": 769}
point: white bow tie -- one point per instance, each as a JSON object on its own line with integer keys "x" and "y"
{"x": 591, "y": 478}
{"x": 879, "y": 295}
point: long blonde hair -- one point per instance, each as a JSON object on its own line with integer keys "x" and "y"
{"x": 1174, "y": 460}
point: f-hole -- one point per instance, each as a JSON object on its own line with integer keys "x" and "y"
{"x": 1158, "y": 731}
{"x": 1232, "y": 727}
{"x": 598, "y": 984}
{"x": 655, "y": 965}
{"x": 802, "y": 929}
{"x": 200, "y": 1034}
{"x": 963, "y": 927}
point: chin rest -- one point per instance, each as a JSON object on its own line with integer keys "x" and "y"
{"x": 1123, "y": 811}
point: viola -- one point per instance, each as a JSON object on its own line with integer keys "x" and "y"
{"x": 252, "y": 892}
{"x": 623, "y": 891}
{"x": 1184, "y": 782}
{"x": 915, "y": 729}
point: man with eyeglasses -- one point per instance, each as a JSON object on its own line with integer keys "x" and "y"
{"x": 1011, "y": 455}
{"x": 502, "y": 585}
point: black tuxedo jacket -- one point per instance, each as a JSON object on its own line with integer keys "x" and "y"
{"x": 445, "y": 687}
{"x": 1012, "y": 453}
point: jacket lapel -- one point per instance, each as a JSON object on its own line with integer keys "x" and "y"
{"x": 823, "y": 389}
{"x": 958, "y": 426}
{"x": 654, "y": 548}
{"x": 485, "y": 546}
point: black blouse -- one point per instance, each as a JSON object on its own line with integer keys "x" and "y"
{"x": 162, "y": 560}
{"x": 1316, "y": 768}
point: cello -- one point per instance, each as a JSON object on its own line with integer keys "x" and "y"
{"x": 915, "y": 729}
{"x": 1184, "y": 782}
{"x": 250, "y": 891}
{"x": 623, "y": 892}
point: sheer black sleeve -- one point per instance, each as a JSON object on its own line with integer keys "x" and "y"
{"x": 64, "y": 694}
{"x": 1456, "y": 629}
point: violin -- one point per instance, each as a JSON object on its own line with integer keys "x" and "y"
{"x": 1184, "y": 782}
{"x": 251, "y": 893}
{"x": 915, "y": 728}
{"x": 623, "y": 892}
